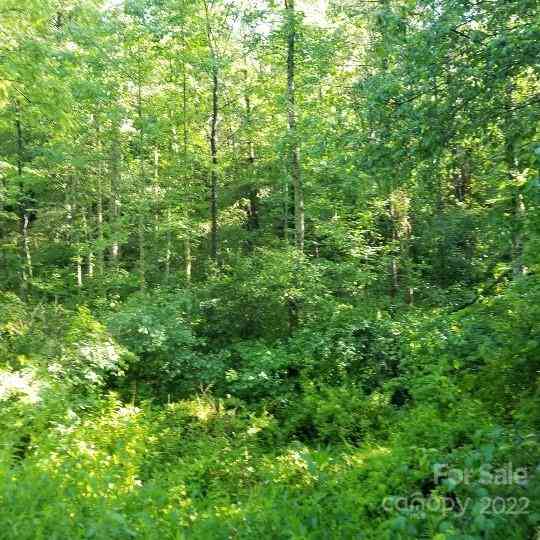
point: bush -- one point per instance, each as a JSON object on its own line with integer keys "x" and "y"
{"x": 158, "y": 330}
{"x": 336, "y": 414}
{"x": 266, "y": 296}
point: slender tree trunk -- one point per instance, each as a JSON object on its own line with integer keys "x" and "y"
{"x": 156, "y": 196}
{"x": 168, "y": 212}
{"x": 187, "y": 239}
{"x": 100, "y": 235}
{"x": 401, "y": 232}
{"x": 214, "y": 241}
{"x": 90, "y": 255}
{"x": 394, "y": 264}
{"x": 286, "y": 205}
{"x": 74, "y": 239}
{"x": 213, "y": 176}
{"x": 168, "y": 244}
{"x": 26, "y": 242}
{"x": 518, "y": 209}
{"x": 518, "y": 268}
{"x": 294, "y": 150}
{"x": 187, "y": 255}
{"x": 78, "y": 239}
{"x": 253, "y": 216}
{"x": 142, "y": 258}
{"x": 142, "y": 181}
{"x": 79, "y": 272}
{"x": 114, "y": 203}
{"x": 100, "y": 250}
{"x": 27, "y": 266}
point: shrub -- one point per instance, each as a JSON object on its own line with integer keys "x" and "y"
{"x": 158, "y": 330}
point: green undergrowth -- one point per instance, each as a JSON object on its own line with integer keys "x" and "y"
{"x": 197, "y": 469}
{"x": 342, "y": 445}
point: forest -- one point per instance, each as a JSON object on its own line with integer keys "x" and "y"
{"x": 269, "y": 269}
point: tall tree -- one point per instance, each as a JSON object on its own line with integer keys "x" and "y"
{"x": 293, "y": 142}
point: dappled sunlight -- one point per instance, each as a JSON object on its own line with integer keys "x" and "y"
{"x": 25, "y": 385}
{"x": 269, "y": 269}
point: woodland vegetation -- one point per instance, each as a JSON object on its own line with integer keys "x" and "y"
{"x": 267, "y": 266}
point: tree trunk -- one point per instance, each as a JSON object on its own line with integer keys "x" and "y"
{"x": 294, "y": 150}
{"x": 142, "y": 181}
{"x": 27, "y": 266}
{"x": 168, "y": 245}
{"x": 156, "y": 196}
{"x": 100, "y": 235}
{"x": 253, "y": 210}
{"x": 394, "y": 264}
{"x": 214, "y": 242}
{"x": 74, "y": 235}
{"x": 88, "y": 239}
{"x": 100, "y": 248}
{"x": 187, "y": 239}
{"x": 518, "y": 268}
{"x": 114, "y": 203}
{"x": 518, "y": 209}
{"x": 188, "y": 258}
{"x": 213, "y": 176}
{"x": 142, "y": 262}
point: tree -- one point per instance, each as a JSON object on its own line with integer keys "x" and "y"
{"x": 294, "y": 147}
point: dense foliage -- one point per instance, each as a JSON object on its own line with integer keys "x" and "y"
{"x": 269, "y": 269}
